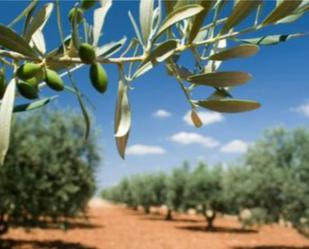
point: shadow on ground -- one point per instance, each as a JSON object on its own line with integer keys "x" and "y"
{"x": 54, "y": 244}
{"x": 271, "y": 247}
{"x": 161, "y": 218}
{"x": 219, "y": 230}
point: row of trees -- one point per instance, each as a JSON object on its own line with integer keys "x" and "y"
{"x": 47, "y": 180}
{"x": 271, "y": 180}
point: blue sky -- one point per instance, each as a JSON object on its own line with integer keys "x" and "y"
{"x": 162, "y": 141}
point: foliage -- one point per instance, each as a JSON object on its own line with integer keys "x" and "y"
{"x": 166, "y": 30}
{"x": 269, "y": 184}
{"x": 179, "y": 191}
{"x": 274, "y": 177}
{"x": 47, "y": 178}
{"x": 205, "y": 191}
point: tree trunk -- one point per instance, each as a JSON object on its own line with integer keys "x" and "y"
{"x": 4, "y": 226}
{"x": 210, "y": 219}
{"x": 147, "y": 210}
{"x": 169, "y": 215}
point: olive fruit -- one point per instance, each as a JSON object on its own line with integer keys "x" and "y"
{"x": 87, "y": 4}
{"x": 53, "y": 80}
{"x": 28, "y": 70}
{"x": 76, "y": 14}
{"x": 87, "y": 53}
{"x": 98, "y": 77}
{"x": 29, "y": 88}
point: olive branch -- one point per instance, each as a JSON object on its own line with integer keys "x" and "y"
{"x": 165, "y": 30}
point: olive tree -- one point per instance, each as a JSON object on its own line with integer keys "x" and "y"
{"x": 210, "y": 31}
{"x": 47, "y": 178}
{"x": 177, "y": 184}
{"x": 205, "y": 192}
{"x": 274, "y": 177}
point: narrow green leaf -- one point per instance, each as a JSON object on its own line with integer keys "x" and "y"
{"x": 220, "y": 93}
{"x": 169, "y": 6}
{"x": 81, "y": 105}
{"x": 111, "y": 48}
{"x": 12, "y": 41}
{"x": 213, "y": 66}
{"x": 6, "y": 111}
{"x": 159, "y": 54}
{"x": 220, "y": 79}
{"x": 145, "y": 18}
{"x": 241, "y": 51}
{"x": 38, "y": 41}
{"x": 284, "y": 9}
{"x": 179, "y": 15}
{"x": 33, "y": 105}
{"x": 121, "y": 142}
{"x": 98, "y": 20}
{"x": 125, "y": 120}
{"x": 135, "y": 27}
{"x": 24, "y": 13}
{"x": 39, "y": 20}
{"x": 291, "y": 18}
{"x": 199, "y": 19}
{"x": 239, "y": 13}
{"x": 271, "y": 39}
{"x": 229, "y": 105}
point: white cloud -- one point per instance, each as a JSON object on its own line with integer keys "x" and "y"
{"x": 235, "y": 146}
{"x": 140, "y": 150}
{"x": 161, "y": 114}
{"x": 206, "y": 117}
{"x": 302, "y": 109}
{"x": 187, "y": 138}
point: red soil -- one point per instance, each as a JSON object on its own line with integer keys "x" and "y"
{"x": 113, "y": 227}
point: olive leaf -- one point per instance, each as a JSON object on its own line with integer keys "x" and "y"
{"x": 159, "y": 54}
{"x": 125, "y": 120}
{"x": 229, "y": 105}
{"x": 12, "y": 41}
{"x": 284, "y": 9}
{"x": 39, "y": 20}
{"x": 111, "y": 48}
{"x": 169, "y": 5}
{"x": 98, "y": 20}
{"x": 38, "y": 41}
{"x": 145, "y": 17}
{"x": 24, "y": 13}
{"x": 240, "y": 12}
{"x": 240, "y": 51}
{"x": 213, "y": 66}
{"x": 271, "y": 39}
{"x": 196, "y": 119}
{"x": 179, "y": 14}
{"x": 135, "y": 27}
{"x": 220, "y": 79}
{"x": 121, "y": 142}
{"x": 82, "y": 106}
{"x": 6, "y": 111}
{"x": 220, "y": 93}
{"x": 33, "y": 105}
{"x": 199, "y": 19}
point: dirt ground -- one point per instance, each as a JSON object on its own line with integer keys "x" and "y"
{"x": 114, "y": 227}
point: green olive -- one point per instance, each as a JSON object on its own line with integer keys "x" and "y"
{"x": 29, "y": 88}
{"x": 98, "y": 77}
{"x": 28, "y": 70}
{"x": 53, "y": 80}
{"x": 87, "y": 4}
{"x": 87, "y": 53}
